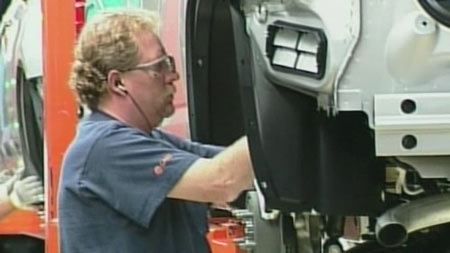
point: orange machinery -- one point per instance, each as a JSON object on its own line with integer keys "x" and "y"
{"x": 60, "y": 109}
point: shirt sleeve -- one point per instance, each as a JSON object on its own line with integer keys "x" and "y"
{"x": 133, "y": 173}
{"x": 202, "y": 150}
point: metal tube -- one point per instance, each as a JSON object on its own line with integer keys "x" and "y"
{"x": 393, "y": 226}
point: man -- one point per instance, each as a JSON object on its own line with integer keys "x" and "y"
{"x": 126, "y": 186}
{"x": 17, "y": 193}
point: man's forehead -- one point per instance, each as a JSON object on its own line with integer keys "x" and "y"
{"x": 151, "y": 56}
{"x": 151, "y": 47}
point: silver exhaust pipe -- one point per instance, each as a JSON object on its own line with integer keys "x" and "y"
{"x": 394, "y": 225}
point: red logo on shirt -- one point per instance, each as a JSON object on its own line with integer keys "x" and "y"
{"x": 159, "y": 169}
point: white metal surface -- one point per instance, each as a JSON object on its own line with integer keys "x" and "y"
{"x": 429, "y": 124}
{"x": 31, "y": 43}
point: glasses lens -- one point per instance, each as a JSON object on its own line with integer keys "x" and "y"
{"x": 165, "y": 65}
{"x": 169, "y": 64}
{"x": 159, "y": 66}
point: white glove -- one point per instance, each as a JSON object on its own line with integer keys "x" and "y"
{"x": 7, "y": 183}
{"x": 26, "y": 192}
{"x": 6, "y": 188}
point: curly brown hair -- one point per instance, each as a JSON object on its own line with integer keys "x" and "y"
{"x": 107, "y": 42}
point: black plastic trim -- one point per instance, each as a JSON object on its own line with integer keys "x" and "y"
{"x": 29, "y": 105}
{"x": 215, "y": 109}
{"x": 198, "y": 15}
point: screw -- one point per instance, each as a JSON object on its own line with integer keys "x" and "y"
{"x": 264, "y": 184}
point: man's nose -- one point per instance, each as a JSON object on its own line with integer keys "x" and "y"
{"x": 172, "y": 76}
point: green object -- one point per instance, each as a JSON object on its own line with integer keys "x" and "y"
{"x": 95, "y": 6}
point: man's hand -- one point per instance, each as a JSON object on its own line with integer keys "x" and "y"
{"x": 26, "y": 192}
{"x": 8, "y": 178}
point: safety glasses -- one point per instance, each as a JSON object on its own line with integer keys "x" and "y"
{"x": 163, "y": 65}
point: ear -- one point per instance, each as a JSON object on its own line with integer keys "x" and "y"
{"x": 113, "y": 81}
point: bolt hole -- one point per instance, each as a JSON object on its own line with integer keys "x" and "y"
{"x": 408, "y": 106}
{"x": 409, "y": 141}
{"x": 424, "y": 23}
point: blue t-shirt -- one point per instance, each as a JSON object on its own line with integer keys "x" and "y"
{"x": 112, "y": 196}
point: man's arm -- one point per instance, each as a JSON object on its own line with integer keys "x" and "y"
{"x": 219, "y": 179}
{"x": 202, "y": 150}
